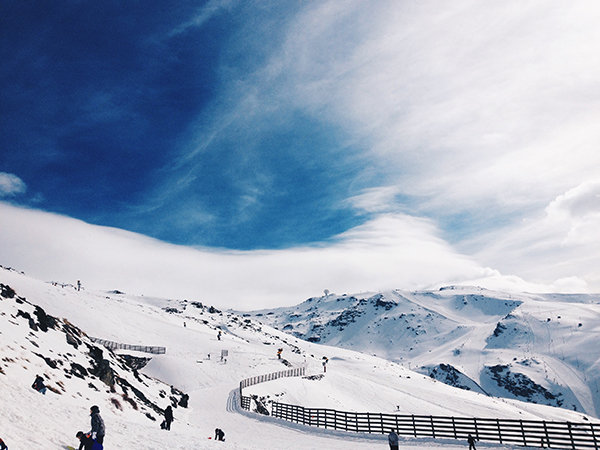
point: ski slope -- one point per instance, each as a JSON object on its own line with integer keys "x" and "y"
{"x": 355, "y": 381}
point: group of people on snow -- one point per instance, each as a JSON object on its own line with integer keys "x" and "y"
{"x": 94, "y": 439}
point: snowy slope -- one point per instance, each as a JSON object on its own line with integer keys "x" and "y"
{"x": 537, "y": 348}
{"x": 192, "y": 366}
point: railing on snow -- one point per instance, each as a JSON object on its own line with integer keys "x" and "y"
{"x": 139, "y": 348}
{"x": 532, "y": 433}
{"x": 297, "y": 372}
{"x": 567, "y": 435}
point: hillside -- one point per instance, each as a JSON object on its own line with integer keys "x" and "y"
{"x": 536, "y": 348}
{"x": 46, "y": 328}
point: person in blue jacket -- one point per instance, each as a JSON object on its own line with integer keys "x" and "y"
{"x": 393, "y": 440}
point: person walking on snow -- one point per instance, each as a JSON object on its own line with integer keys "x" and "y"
{"x": 393, "y": 440}
{"x": 3, "y": 446}
{"x": 219, "y": 335}
{"x": 98, "y": 429}
{"x": 471, "y": 442}
{"x": 168, "y": 417}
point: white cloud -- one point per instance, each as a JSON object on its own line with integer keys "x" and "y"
{"x": 464, "y": 104}
{"x": 11, "y": 185}
{"x": 376, "y": 200}
{"x": 204, "y": 14}
{"x": 393, "y": 251}
{"x": 559, "y": 247}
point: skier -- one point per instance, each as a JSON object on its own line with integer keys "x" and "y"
{"x": 325, "y": 361}
{"x": 85, "y": 441}
{"x": 78, "y": 285}
{"x": 219, "y": 335}
{"x": 168, "y": 417}
{"x": 98, "y": 429}
{"x": 3, "y": 446}
{"x": 279, "y": 353}
{"x": 471, "y": 442}
{"x": 393, "y": 440}
{"x": 39, "y": 385}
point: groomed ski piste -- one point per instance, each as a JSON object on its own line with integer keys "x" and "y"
{"x": 192, "y": 365}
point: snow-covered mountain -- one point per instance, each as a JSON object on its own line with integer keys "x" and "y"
{"x": 46, "y": 329}
{"x": 536, "y": 348}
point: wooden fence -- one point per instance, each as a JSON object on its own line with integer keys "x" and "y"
{"x": 297, "y": 372}
{"x": 567, "y": 435}
{"x": 139, "y": 348}
{"x": 532, "y": 433}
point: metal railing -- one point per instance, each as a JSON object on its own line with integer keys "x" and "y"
{"x": 139, "y": 348}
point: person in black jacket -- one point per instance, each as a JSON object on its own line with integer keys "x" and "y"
{"x": 168, "y": 417}
{"x": 219, "y": 434}
{"x": 471, "y": 442}
{"x": 39, "y": 385}
{"x": 85, "y": 441}
{"x": 98, "y": 429}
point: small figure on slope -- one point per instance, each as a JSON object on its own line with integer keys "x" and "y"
{"x": 98, "y": 429}
{"x": 168, "y": 417}
{"x": 85, "y": 441}
{"x": 39, "y": 385}
{"x": 393, "y": 440}
{"x": 471, "y": 442}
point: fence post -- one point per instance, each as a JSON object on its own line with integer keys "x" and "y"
{"x": 594, "y": 436}
{"x": 432, "y": 426}
{"x": 523, "y": 433}
{"x": 571, "y": 435}
{"x": 414, "y": 425}
{"x": 476, "y": 430}
{"x": 546, "y": 433}
{"x": 499, "y": 430}
{"x": 454, "y": 428}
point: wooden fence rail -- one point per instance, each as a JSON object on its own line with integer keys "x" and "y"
{"x": 566, "y": 435}
{"x": 532, "y": 433}
{"x": 139, "y": 348}
{"x": 297, "y": 372}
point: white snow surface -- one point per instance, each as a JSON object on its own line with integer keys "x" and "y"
{"x": 354, "y": 381}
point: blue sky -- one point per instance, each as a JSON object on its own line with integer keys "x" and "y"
{"x": 271, "y": 126}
